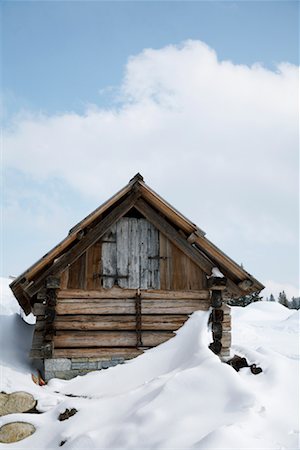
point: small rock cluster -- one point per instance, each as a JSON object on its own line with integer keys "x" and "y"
{"x": 238, "y": 362}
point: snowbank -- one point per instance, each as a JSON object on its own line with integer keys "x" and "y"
{"x": 177, "y": 395}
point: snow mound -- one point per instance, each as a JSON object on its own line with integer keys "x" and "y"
{"x": 177, "y": 395}
{"x": 262, "y": 311}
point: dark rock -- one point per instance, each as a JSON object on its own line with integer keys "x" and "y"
{"x": 67, "y": 414}
{"x": 255, "y": 370}
{"x": 237, "y": 362}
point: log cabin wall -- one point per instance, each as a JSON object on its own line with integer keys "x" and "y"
{"x": 129, "y": 291}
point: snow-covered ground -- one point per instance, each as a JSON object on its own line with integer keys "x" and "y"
{"x": 176, "y": 396}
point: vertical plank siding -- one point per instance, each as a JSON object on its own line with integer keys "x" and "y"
{"x": 177, "y": 271}
{"x": 134, "y": 254}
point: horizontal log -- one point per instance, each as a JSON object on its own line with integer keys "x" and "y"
{"x": 65, "y": 339}
{"x": 115, "y": 322}
{"x": 118, "y": 293}
{"x": 105, "y": 353}
{"x": 127, "y": 306}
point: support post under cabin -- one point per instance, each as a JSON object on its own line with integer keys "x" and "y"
{"x": 220, "y": 318}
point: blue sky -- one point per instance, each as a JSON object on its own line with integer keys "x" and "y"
{"x": 86, "y": 106}
{"x": 59, "y": 56}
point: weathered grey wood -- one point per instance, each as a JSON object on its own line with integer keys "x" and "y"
{"x": 37, "y": 340}
{"x": 65, "y": 339}
{"x": 101, "y": 353}
{"x": 53, "y": 282}
{"x": 144, "y": 263}
{"x": 134, "y": 254}
{"x": 39, "y": 309}
{"x": 127, "y": 306}
{"x": 122, "y": 252}
{"x": 153, "y": 258}
{"x": 89, "y": 239}
{"x": 109, "y": 257}
{"x": 116, "y": 292}
{"x": 116, "y": 322}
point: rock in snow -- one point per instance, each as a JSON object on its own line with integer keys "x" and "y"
{"x": 177, "y": 395}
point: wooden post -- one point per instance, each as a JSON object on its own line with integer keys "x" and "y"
{"x": 52, "y": 285}
{"x": 219, "y": 318}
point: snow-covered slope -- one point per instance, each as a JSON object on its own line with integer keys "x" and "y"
{"x": 178, "y": 395}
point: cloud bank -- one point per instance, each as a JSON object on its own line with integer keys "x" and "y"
{"x": 217, "y": 139}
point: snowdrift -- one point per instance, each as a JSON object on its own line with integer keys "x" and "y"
{"x": 177, "y": 395}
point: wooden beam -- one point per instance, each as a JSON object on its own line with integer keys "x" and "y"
{"x": 127, "y": 306}
{"x": 67, "y": 339}
{"x": 115, "y": 322}
{"x": 118, "y": 293}
{"x": 89, "y": 239}
{"x": 174, "y": 236}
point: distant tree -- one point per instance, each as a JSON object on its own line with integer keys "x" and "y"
{"x": 295, "y": 303}
{"x": 282, "y": 299}
{"x": 245, "y": 300}
{"x": 272, "y": 298}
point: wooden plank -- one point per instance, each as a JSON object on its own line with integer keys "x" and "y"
{"x": 116, "y": 292}
{"x": 109, "y": 258}
{"x": 134, "y": 254}
{"x": 67, "y": 339}
{"x": 122, "y": 252}
{"x": 89, "y": 239}
{"x": 127, "y": 306}
{"x": 77, "y": 273}
{"x": 165, "y": 262}
{"x": 179, "y": 241}
{"x": 116, "y": 322}
{"x": 64, "y": 277}
{"x": 153, "y": 258}
{"x": 94, "y": 266}
{"x": 143, "y": 242}
{"x": 101, "y": 353}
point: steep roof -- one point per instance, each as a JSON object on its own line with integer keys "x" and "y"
{"x": 136, "y": 193}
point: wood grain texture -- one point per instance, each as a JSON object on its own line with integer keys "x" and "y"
{"x": 116, "y": 292}
{"x": 127, "y": 306}
{"x": 67, "y": 339}
{"x": 116, "y": 322}
{"x": 77, "y": 273}
{"x": 109, "y": 258}
{"x": 94, "y": 266}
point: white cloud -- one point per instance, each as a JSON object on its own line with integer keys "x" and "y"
{"x": 218, "y": 140}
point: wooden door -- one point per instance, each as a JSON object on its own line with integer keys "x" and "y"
{"x": 130, "y": 255}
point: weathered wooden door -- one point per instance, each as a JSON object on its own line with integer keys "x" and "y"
{"x": 130, "y": 255}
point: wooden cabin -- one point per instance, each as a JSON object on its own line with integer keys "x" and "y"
{"x": 124, "y": 280}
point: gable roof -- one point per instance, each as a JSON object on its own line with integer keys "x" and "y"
{"x": 136, "y": 193}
